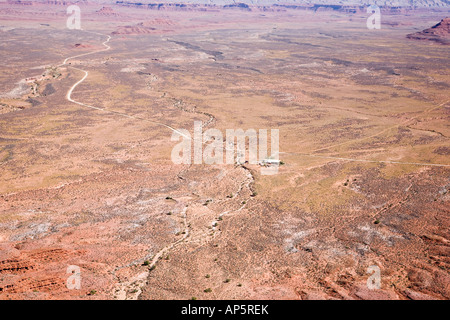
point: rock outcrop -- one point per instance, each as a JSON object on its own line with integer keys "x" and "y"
{"x": 439, "y": 33}
{"x": 107, "y": 11}
{"x": 144, "y": 27}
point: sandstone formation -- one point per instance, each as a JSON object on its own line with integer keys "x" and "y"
{"x": 439, "y": 33}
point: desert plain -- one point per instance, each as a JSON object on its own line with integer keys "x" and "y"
{"x": 87, "y": 180}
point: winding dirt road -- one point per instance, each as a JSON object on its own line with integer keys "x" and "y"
{"x": 86, "y": 74}
{"x": 130, "y": 290}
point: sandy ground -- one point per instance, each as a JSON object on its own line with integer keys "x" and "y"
{"x": 87, "y": 179}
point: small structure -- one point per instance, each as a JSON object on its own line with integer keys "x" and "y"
{"x": 269, "y": 162}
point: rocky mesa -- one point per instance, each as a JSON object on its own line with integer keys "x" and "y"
{"x": 439, "y": 33}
